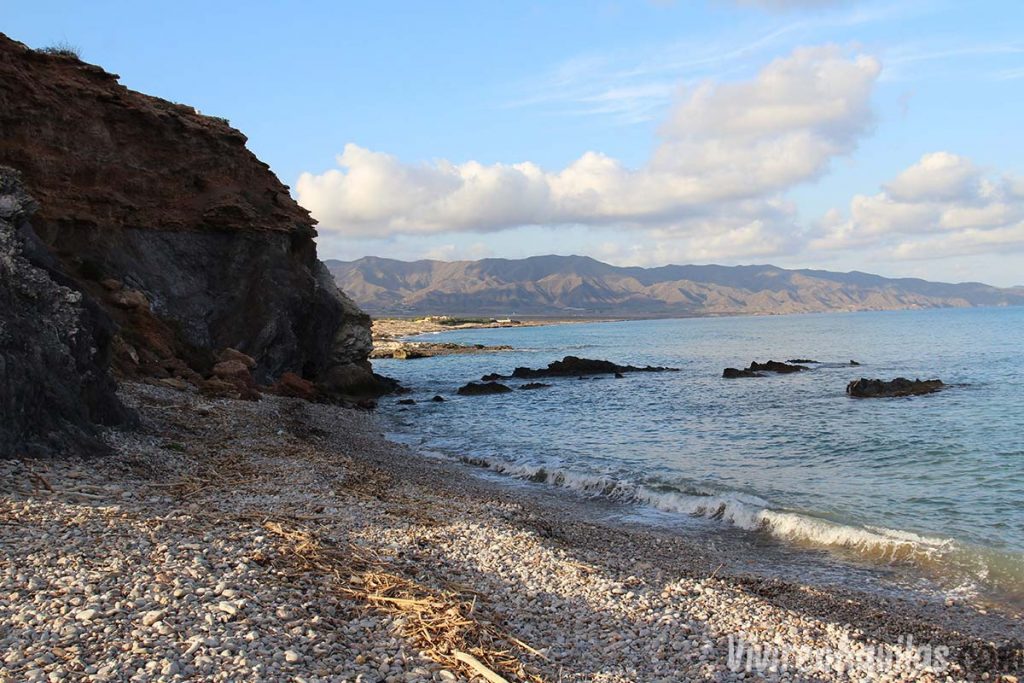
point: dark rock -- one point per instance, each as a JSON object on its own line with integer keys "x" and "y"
{"x": 619, "y": 375}
{"x": 438, "y": 399}
{"x": 775, "y": 366}
{"x": 208, "y": 247}
{"x": 407, "y": 402}
{"x": 853, "y": 362}
{"x": 571, "y": 366}
{"x": 901, "y": 386}
{"x": 734, "y": 373}
{"x": 55, "y": 346}
{"x": 756, "y": 369}
{"x": 535, "y": 385}
{"x": 477, "y": 389}
{"x": 801, "y": 360}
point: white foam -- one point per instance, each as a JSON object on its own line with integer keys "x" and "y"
{"x": 739, "y": 510}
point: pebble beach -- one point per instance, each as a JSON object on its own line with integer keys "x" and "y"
{"x": 281, "y": 540}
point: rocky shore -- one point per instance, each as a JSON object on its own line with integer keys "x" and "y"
{"x": 389, "y": 336}
{"x": 284, "y": 540}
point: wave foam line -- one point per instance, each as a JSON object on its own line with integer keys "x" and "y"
{"x": 740, "y": 510}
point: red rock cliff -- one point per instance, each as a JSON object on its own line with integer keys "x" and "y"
{"x": 188, "y": 240}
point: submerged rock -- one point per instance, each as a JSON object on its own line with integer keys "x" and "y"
{"x": 534, "y": 385}
{"x": 901, "y": 386}
{"x": 802, "y": 360}
{"x": 478, "y": 389}
{"x": 572, "y": 366}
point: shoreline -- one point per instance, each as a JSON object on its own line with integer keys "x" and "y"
{"x": 397, "y": 338}
{"x": 279, "y": 538}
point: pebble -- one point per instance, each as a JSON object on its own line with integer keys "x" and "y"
{"x": 138, "y": 582}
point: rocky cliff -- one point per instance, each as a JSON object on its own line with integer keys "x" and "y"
{"x": 54, "y": 345}
{"x": 185, "y": 239}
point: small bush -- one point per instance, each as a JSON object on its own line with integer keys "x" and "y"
{"x": 62, "y": 49}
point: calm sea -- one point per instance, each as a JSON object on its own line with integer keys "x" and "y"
{"x": 933, "y": 482}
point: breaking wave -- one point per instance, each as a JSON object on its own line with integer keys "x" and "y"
{"x": 961, "y": 566}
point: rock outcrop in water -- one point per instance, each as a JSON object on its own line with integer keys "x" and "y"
{"x": 901, "y": 386}
{"x": 184, "y": 238}
{"x": 756, "y": 369}
{"x": 54, "y": 346}
{"x": 483, "y": 389}
{"x": 571, "y": 366}
{"x": 736, "y": 373}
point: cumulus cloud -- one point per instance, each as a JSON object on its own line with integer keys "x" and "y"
{"x": 943, "y": 205}
{"x": 723, "y": 156}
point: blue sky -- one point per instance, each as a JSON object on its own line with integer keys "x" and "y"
{"x": 845, "y": 135}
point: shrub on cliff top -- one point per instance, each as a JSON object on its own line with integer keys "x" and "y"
{"x": 62, "y": 49}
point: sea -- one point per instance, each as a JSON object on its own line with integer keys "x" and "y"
{"x": 926, "y": 491}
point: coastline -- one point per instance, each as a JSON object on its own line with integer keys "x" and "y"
{"x": 279, "y": 539}
{"x": 396, "y": 337}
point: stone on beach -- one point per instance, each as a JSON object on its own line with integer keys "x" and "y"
{"x": 228, "y": 598}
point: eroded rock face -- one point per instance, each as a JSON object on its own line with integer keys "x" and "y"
{"x": 54, "y": 346}
{"x": 188, "y": 241}
{"x": 901, "y": 386}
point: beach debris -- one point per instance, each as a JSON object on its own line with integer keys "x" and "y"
{"x": 901, "y": 386}
{"x": 451, "y": 626}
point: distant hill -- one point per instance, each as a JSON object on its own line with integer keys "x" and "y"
{"x": 578, "y": 286}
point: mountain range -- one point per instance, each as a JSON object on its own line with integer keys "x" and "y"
{"x": 579, "y": 286}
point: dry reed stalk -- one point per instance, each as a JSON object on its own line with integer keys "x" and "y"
{"x": 443, "y": 624}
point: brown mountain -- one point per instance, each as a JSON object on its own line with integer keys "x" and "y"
{"x": 579, "y": 286}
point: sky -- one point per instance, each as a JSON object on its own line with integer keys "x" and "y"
{"x": 875, "y": 136}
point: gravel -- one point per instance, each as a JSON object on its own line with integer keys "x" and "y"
{"x": 156, "y": 564}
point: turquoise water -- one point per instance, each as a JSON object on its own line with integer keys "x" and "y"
{"x": 936, "y": 482}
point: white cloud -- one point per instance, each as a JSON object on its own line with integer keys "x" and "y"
{"x": 943, "y": 205}
{"x": 725, "y": 153}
